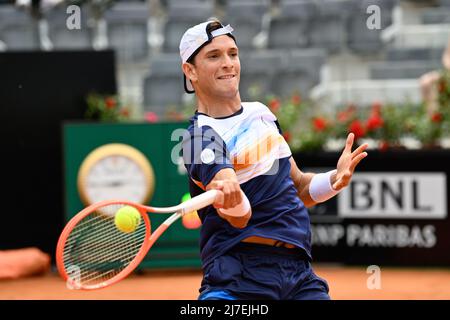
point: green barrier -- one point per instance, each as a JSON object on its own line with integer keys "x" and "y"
{"x": 178, "y": 247}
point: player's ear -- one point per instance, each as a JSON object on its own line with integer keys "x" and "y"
{"x": 190, "y": 71}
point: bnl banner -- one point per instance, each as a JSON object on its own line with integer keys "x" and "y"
{"x": 385, "y": 218}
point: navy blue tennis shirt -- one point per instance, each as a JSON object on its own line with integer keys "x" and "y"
{"x": 250, "y": 142}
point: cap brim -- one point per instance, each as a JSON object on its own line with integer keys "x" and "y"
{"x": 188, "y": 85}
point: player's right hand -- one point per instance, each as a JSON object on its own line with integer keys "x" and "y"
{"x": 229, "y": 194}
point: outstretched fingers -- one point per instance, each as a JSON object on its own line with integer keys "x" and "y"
{"x": 349, "y": 142}
{"x": 356, "y": 160}
{"x": 359, "y": 150}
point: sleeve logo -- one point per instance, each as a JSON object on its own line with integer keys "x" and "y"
{"x": 207, "y": 156}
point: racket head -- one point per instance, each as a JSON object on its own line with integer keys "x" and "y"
{"x": 92, "y": 253}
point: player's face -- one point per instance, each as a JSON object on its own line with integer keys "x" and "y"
{"x": 218, "y": 68}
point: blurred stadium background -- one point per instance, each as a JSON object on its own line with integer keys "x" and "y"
{"x": 325, "y": 67}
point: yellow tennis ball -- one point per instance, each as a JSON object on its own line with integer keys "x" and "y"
{"x": 127, "y": 219}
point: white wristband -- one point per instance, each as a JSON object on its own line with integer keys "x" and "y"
{"x": 239, "y": 210}
{"x": 320, "y": 187}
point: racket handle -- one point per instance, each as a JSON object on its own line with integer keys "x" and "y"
{"x": 205, "y": 199}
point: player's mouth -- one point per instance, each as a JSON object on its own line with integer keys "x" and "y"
{"x": 227, "y": 77}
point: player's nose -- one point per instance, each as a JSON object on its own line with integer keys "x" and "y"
{"x": 227, "y": 62}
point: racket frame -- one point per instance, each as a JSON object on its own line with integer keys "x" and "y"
{"x": 198, "y": 202}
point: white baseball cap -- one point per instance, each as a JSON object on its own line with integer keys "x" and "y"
{"x": 196, "y": 38}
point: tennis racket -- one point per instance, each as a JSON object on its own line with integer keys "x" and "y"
{"x": 92, "y": 253}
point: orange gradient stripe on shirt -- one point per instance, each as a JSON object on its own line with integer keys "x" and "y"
{"x": 256, "y": 152}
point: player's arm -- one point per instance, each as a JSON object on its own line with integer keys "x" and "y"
{"x": 231, "y": 197}
{"x": 301, "y": 181}
{"x": 315, "y": 188}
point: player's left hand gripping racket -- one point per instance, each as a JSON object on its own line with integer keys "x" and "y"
{"x": 92, "y": 253}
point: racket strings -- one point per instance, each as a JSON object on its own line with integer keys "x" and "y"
{"x": 128, "y": 250}
{"x": 104, "y": 238}
{"x": 115, "y": 262}
{"x": 106, "y": 257}
{"x": 96, "y": 251}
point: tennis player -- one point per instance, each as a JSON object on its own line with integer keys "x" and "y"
{"x": 256, "y": 239}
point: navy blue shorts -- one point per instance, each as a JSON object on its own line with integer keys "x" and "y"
{"x": 255, "y": 272}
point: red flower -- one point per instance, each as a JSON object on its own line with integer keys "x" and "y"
{"x": 125, "y": 112}
{"x": 287, "y": 136}
{"x": 342, "y": 116}
{"x": 374, "y": 122}
{"x": 376, "y": 108}
{"x": 296, "y": 99}
{"x": 437, "y": 117}
{"x": 110, "y": 103}
{"x": 274, "y": 104}
{"x": 151, "y": 117}
{"x": 384, "y": 146}
{"x": 357, "y": 128}
{"x": 319, "y": 124}
{"x": 347, "y": 114}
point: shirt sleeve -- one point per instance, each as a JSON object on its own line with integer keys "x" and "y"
{"x": 204, "y": 154}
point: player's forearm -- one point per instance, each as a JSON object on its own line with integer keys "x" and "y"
{"x": 235, "y": 212}
{"x": 301, "y": 182}
{"x": 237, "y": 222}
{"x": 302, "y": 186}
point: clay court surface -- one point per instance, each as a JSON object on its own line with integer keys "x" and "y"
{"x": 346, "y": 283}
